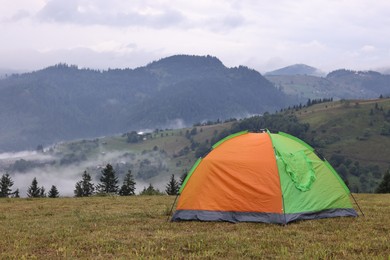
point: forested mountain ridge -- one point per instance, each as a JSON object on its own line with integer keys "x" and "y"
{"x": 296, "y": 69}
{"x": 354, "y": 136}
{"x": 64, "y": 102}
{"x": 338, "y": 84}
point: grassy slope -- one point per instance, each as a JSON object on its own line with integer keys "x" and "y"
{"x": 346, "y": 122}
{"x": 170, "y": 141}
{"x": 350, "y": 121}
{"x": 301, "y": 85}
{"x": 137, "y": 227}
{"x": 338, "y": 124}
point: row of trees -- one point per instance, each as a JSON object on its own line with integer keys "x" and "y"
{"x": 85, "y": 187}
{"x": 109, "y": 185}
{"x": 33, "y": 190}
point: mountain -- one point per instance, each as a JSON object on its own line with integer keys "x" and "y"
{"x": 354, "y": 136}
{"x": 338, "y": 84}
{"x": 64, "y": 102}
{"x": 7, "y": 72}
{"x": 296, "y": 69}
{"x": 368, "y": 84}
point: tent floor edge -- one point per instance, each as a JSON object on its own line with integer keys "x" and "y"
{"x": 275, "y": 218}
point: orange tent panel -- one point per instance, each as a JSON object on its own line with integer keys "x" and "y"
{"x": 228, "y": 179}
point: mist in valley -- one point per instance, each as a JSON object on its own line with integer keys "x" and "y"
{"x": 51, "y": 169}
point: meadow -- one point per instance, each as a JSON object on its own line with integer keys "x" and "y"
{"x": 137, "y": 227}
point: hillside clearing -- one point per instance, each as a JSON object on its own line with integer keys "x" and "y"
{"x": 124, "y": 228}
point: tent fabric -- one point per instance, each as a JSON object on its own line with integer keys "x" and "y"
{"x": 234, "y": 217}
{"x": 262, "y": 177}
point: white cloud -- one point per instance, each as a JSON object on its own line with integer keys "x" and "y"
{"x": 114, "y": 46}
{"x": 368, "y": 48}
{"x": 94, "y": 13}
{"x": 253, "y": 33}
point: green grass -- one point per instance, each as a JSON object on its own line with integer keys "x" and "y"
{"x": 358, "y": 131}
{"x": 345, "y": 128}
{"x": 137, "y": 227}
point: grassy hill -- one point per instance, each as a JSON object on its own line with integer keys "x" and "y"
{"x": 354, "y": 136}
{"x": 137, "y": 228}
{"x": 309, "y": 86}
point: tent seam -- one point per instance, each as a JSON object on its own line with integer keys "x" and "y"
{"x": 280, "y": 181}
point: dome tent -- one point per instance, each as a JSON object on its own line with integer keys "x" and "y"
{"x": 262, "y": 177}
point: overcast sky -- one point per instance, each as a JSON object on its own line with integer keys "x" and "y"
{"x": 264, "y": 35}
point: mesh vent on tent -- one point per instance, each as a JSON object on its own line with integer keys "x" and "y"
{"x": 300, "y": 169}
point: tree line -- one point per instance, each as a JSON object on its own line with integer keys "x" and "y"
{"x": 85, "y": 187}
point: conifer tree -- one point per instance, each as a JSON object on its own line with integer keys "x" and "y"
{"x": 42, "y": 192}
{"x": 53, "y": 192}
{"x": 150, "y": 190}
{"x": 384, "y": 186}
{"x": 78, "y": 191}
{"x": 5, "y": 185}
{"x": 172, "y": 187}
{"x": 85, "y": 187}
{"x": 108, "y": 180}
{"x": 34, "y": 191}
{"x": 128, "y": 187}
{"x": 182, "y": 178}
{"x": 16, "y": 194}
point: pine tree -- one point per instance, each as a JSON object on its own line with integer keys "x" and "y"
{"x": 182, "y": 178}
{"x": 34, "y": 191}
{"x": 172, "y": 187}
{"x": 53, "y": 192}
{"x": 85, "y": 187}
{"x": 150, "y": 191}
{"x": 42, "y": 192}
{"x": 108, "y": 180}
{"x": 5, "y": 185}
{"x": 78, "y": 191}
{"x": 16, "y": 194}
{"x": 128, "y": 187}
{"x": 384, "y": 186}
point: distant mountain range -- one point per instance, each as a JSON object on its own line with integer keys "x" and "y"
{"x": 7, "y": 72}
{"x": 64, "y": 102}
{"x": 339, "y": 84}
{"x": 297, "y": 69}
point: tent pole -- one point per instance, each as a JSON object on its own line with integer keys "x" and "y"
{"x": 284, "y": 212}
{"x": 357, "y": 204}
{"x": 170, "y": 212}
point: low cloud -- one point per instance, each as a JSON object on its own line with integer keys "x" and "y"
{"x": 176, "y": 124}
{"x": 65, "y": 177}
{"x": 26, "y": 155}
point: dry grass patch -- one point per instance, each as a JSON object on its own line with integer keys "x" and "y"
{"x": 137, "y": 227}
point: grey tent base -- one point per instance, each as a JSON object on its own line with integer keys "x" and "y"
{"x": 234, "y": 217}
